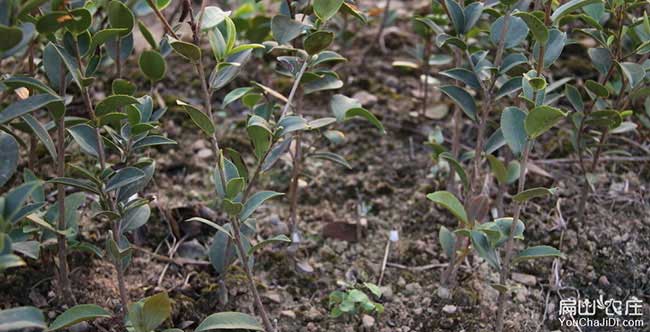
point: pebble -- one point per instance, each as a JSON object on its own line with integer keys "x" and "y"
{"x": 368, "y": 321}
{"x": 204, "y": 153}
{"x": 288, "y": 313}
{"x": 450, "y": 309}
{"x": 525, "y": 279}
{"x": 312, "y": 314}
{"x": 603, "y": 281}
{"x": 412, "y": 288}
{"x": 444, "y": 293}
{"x": 401, "y": 282}
{"x": 387, "y": 292}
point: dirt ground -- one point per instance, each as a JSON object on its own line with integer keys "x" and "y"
{"x": 607, "y": 254}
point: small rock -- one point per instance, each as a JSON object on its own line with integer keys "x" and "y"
{"x": 525, "y": 279}
{"x": 387, "y": 292}
{"x": 365, "y": 98}
{"x": 368, "y": 321}
{"x": 437, "y": 112}
{"x": 401, "y": 282}
{"x": 288, "y": 313}
{"x": 204, "y": 153}
{"x": 444, "y": 293}
{"x": 450, "y": 309}
{"x": 273, "y": 296}
{"x": 198, "y": 145}
{"x": 603, "y": 281}
{"x": 304, "y": 267}
{"x": 412, "y": 288}
{"x": 312, "y": 314}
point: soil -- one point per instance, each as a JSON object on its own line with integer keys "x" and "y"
{"x": 606, "y": 253}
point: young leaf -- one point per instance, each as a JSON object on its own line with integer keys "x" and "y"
{"x": 450, "y": 202}
{"x": 229, "y": 321}
{"x": 76, "y": 314}
{"x": 325, "y": 9}
{"x": 574, "y": 97}
{"x": 462, "y": 98}
{"x": 634, "y": 73}
{"x": 541, "y": 119}
{"x": 597, "y": 88}
{"x": 156, "y": 310}
{"x": 120, "y": 16}
{"x": 255, "y": 201}
{"x": 447, "y": 241}
{"x": 8, "y": 157}
{"x": 123, "y": 177}
{"x": 461, "y": 74}
{"x": 112, "y": 103}
{"x": 540, "y": 32}
{"x": 457, "y": 15}
{"x": 318, "y": 41}
{"x": 275, "y": 239}
{"x": 152, "y": 65}
{"x": 199, "y": 118}
{"x": 285, "y": 29}
{"x": 28, "y": 105}
{"x": 481, "y": 243}
{"x": 516, "y": 31}
{"x": 570, "y": 7}
{"x": 187, "y": 50}
{"x": 533, "y": 193}
{"x": 21, "y": 318}
{"x": 213, "y": 16}
{"x": 537, "y": 252}
{"x": 513, "y": 128}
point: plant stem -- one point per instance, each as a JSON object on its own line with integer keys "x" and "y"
{"x": 64, "y": 278}
{"x": 124, "y": 298}
{"x": 425, "y": 69}
{"x": 505, "y": 268}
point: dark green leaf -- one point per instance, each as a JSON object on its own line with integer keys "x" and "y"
{"x": 541, "y": 119}
{"x": 153, "y": 65}
{"x": 8, "y": 157}
{"x": 199, "y": 118}
{"x": 21, "y": 318}
{"x": 537, "y": 252}
{"x": 318, "y": 41}
{"x": 120, "y": 16}
{"x": 450, "y": 202}
{"x": 462, "y": 98}
{"x": 76, "y": 314}
{"x": 540, "y": 33}
{"x": 516, "y": 32}
{"x": 86, "y": 137}
{"x": 255, "y": 201}
{"x": 533, "y": 193}
{"x": 513, "y": 128}
{"x": 229, "y": 321}
{"x": 28, "y": 105}
{"x": 285, "y": 29}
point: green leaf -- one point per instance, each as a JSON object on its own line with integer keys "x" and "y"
{"x": 457, "y": 166}
{"x": 516, "y": 32}
{"x": 472, "y": 14}
{"x": 86, "y": 137}
{"x": 570, "y": 7}
{"x": 326, "y": 82}
{"x": 11, "y": 36}
{"x": 123, "y": 177}
{"x": 539, "y": 30}
{"x": 574, "y": 97}
{"x": 481, "y": 243}
{"x": 462, "y": 98}
{"x": 357, "y": 296}
{"x": 187, "y": 50}
{"x": 466, "y": 76}
{"x": 102, "y": 36}
{"x": 318, "y": 41}
{"x": 135, "y": 218}
{"x": 120, "y": 16}
{"x": 79, "y": 184}
{"x": 513, "y": 128}
{"x": 456, "y": 15}
{"x": 148, "y": 36}
{"x": 229, "y": 321}
{"x": 152, "y": 65}
{"x": 597, "y": 88}
{"x": 227, "y": 71}
{"x": 213, "y": 16}
{"x": 39, "y": 130}
{"x": 601, "y": 59}
{"x": 325, "y": 9}
{"x": 234, "y": 187}
{"x": 331, "y": 156}
{"x": 536, "y": 252}
{"x": 511, "y": 85}
{"x": 541, "y": 119}
{"x": 235, "y": 95}
{"x": 275, "y": 239}
{"x": 447, "y": 241}
{"x": 498, "y": 169}
{"x": 76, "y": 314}
{"x": 21, "y": 318}
{"x": 213, "y": 225}
{"x": 633, "y": 72}
{"x": 70, "y": 64}
{"x": 122, "y": 87}
{"x": 554, "y": 46}
{"x": 156, "y": 310}
{"x": 363, "y": 113}
{"x": 374, "y": 289}
{"x": 80, "y": 21}
{"x": 6, "y": 262}
{"x": 450, "y": 202}
{"x": 28, "y": 105}
{"x": 255, "y": 201}
{"x": 152, "y": 141}
{"x": 112, "y": 103}
{"x": 199, "y": 118}
{"x": 260, "y": 134}
{"x": 533, "y": 193}
{"x": 285, "y": 29}
{"x": 8, "y": 157}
